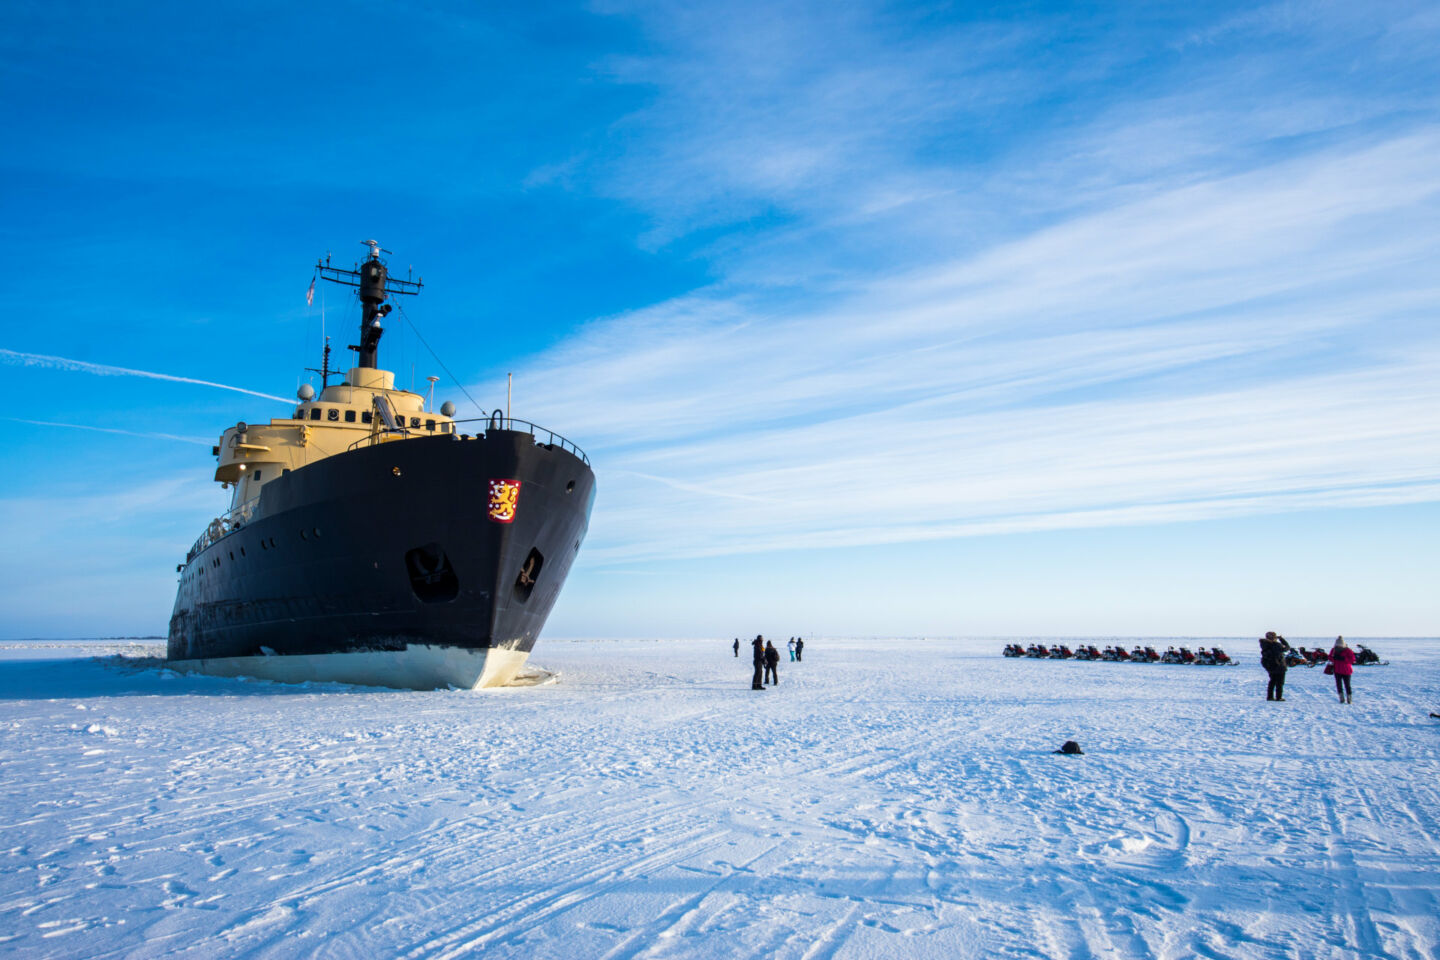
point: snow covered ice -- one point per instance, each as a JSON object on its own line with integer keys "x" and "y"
{"x": 889, "y": 799}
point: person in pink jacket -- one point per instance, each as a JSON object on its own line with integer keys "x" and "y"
{"x": 1342, "y": 658}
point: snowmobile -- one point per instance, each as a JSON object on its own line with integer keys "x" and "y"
{"x": 1365, "y": 657}
{"x": 1061, "y": 652}
{"x": 1205, "y": 658}
{"x": 1186, "y": 656}
{"x": 1039, "y": 651}
{"x": 1114, "y": 654}
{"x": 1294, "y": 658}
{"x": 1171, "y": 656}
{"x": 1014, "y": 650}
{"x": 1221, "y": 657}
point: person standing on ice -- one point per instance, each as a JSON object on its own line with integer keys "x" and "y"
{"x": 758, "y": 646}
{"x": 737, "y": 646}
{"x": 792, "y": 649}
{"x": 1272, "y": 658}
{"x": 772, "y": 663}
{"x": 1342, "y": 658}
{"x": 799, "y": 648}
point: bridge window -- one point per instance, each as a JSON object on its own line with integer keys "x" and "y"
{"x": 366, "y": 416}
{"x": 257, "y": 476}
{"x": 314, "y": 413}
{"x": 299, "y": 413}
{"x": 349, "y": 416}
{"x": 430, "y": 425}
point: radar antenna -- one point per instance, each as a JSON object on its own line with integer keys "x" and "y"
{"x": 375, "y": 285}
{"x": 324, "y": 370}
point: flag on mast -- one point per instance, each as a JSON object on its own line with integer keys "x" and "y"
{"x": 310, "y": 294}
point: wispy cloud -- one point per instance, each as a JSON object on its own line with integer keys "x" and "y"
{"x": 1286, "y": 444}
{"x": 1254, "y": 342}
{"x": 100, "y": 556}
{"x": 125, "y": 433}
{"x": 17, "y": 358}
{"x": 950, "y": 124}
{"x": 984, "y": 275}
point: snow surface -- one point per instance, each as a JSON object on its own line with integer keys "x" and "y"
{"x": 889, "y": 799}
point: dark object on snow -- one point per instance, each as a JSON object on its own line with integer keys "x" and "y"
{"x": 758, "y": 646}
{"x": 1365, "y": 657}
{"x": 1071, "y": 747}
{"x": 737, "y": 646}
{"x": 799, "y": 648}
{"x": 1436, "y": 715}
{"x": 772, "y": 662}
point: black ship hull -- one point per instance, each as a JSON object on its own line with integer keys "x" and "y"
{"x": 387, "y": 564}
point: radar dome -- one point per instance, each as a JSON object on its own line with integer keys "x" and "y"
{"x": 306, "y": 392}
{"x": 447, "y": 409}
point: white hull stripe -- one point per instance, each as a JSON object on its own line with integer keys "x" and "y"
{"x": 417, "y": 667}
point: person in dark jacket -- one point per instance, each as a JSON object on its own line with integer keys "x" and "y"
{"x": 1342, "y": 658}
{"x": 758, "y": 659}
{"x": 799, "y": 648}
{"x": 1272, "y": 658}
{"x": 772, "y": 663}
{"x": 737, "y": 646}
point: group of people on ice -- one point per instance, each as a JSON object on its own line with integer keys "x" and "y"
{"x": 1276, "y": 655}
{"x": 1211, "y": 657}
{"x": 766, "y": 659}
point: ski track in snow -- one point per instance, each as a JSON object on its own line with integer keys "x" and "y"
{"x": 887, "y": 799}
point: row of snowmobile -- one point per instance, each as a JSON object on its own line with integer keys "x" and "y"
{"x": 1300, "y": 657}
{"x": 1212, "y": 657}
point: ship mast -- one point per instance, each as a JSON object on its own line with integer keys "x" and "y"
{"x": 375, "y": 285}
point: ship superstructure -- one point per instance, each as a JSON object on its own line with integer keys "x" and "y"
{"x": 373, "y": 539}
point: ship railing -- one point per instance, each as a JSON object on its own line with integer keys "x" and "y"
{"x": 224, "y": 525}
{"x": 496, "y": 421}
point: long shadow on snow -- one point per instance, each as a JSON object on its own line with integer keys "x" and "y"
{"x": 116, "y": 676}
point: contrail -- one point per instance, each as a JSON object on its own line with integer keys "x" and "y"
{"x": 81, "y": 366}
{"x": 127, "y": 433}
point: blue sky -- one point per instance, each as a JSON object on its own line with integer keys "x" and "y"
{"x": 874, "y": 319}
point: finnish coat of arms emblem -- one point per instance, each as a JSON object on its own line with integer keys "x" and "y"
{"x": 504, "y": 498}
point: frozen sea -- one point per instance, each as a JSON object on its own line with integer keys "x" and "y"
{"x": 890, "y": 798}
